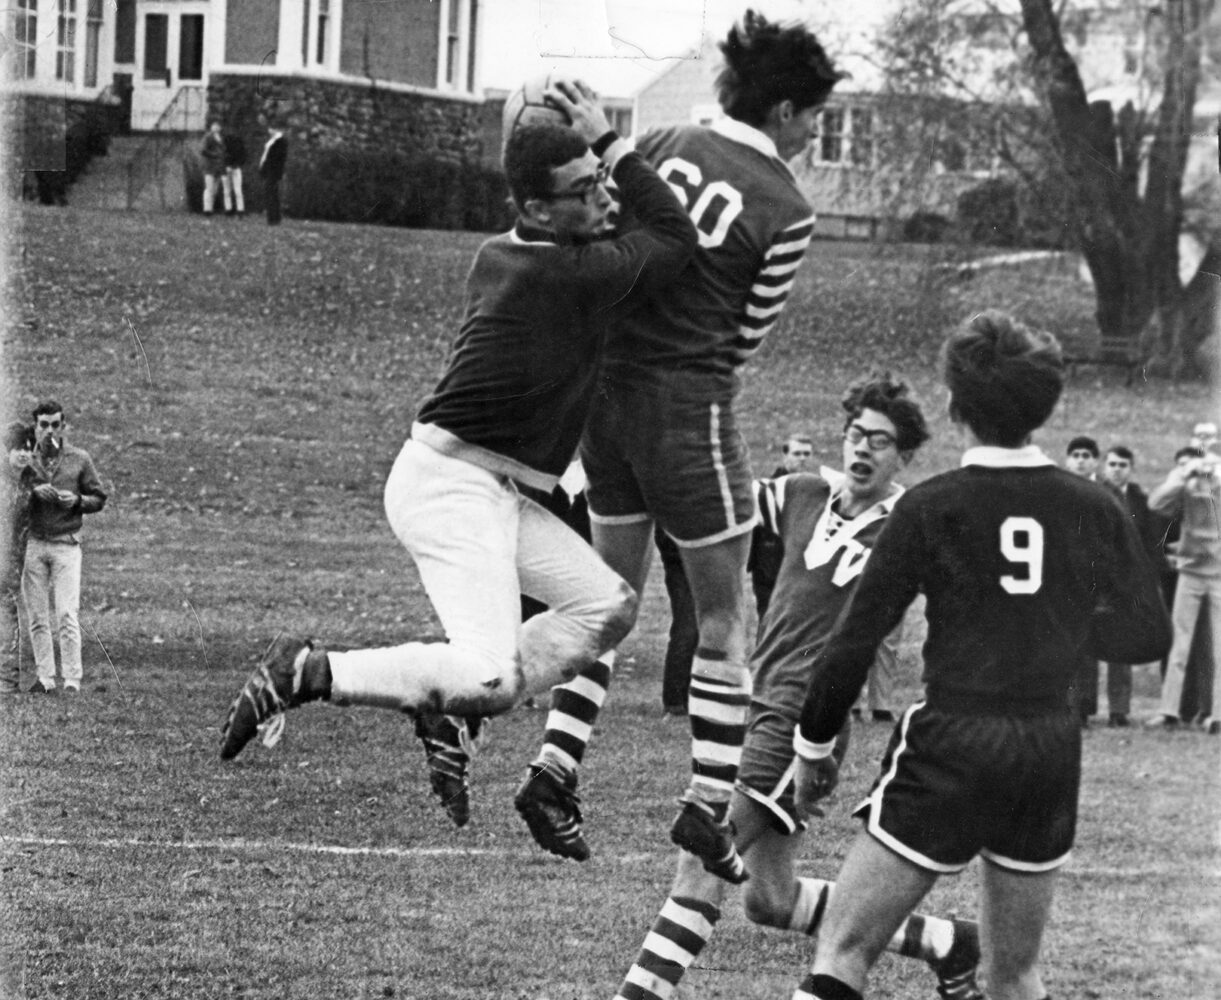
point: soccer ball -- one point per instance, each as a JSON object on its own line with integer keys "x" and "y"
{"x": 527, "y": 105}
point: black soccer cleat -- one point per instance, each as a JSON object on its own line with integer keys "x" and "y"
{"x": 445, "y": 740}
{"x": 698, "y": 830}
{"x": 956, "y": 972}
{"x": 274, "y": 687}
{"x": 552, "y": 811}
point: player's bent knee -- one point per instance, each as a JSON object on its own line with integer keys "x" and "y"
{"x": 763, "y": 907}
{"x": 622, "y": 617}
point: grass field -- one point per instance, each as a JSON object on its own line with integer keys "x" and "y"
{"x": 244, "y": 391}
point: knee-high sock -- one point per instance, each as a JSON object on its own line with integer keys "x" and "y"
{"x": 677, "y": 937}
{"x": 717, "y": 705}
{"x": 824, "y": 988}
{"x": 574, "y": 710}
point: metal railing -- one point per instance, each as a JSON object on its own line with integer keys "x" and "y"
{"x": 184, "y": 115}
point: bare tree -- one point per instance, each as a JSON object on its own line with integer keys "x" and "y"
{"x": 1118, "y": 169}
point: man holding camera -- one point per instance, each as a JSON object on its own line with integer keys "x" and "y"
{"x": 1191, "y": 493}
{"x": 64, "y": 486}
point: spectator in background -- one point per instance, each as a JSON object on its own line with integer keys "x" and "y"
{"x": 1082, "y": 457}
{"x": 1191, "y": 494}
{"x": 271, "y": 169}
{"x": 1117, "y": 477}
{"x": 235, "y": 159}
{"x": 64, "y": 486}
{"x": 766, "y": 548}
{"x": 212, "y": 151}
{"x": 881, "y": 684}
{"x": 1082, "y": 460}
{"x": 15, "y": 508}
{"x": 1204, "y": 436}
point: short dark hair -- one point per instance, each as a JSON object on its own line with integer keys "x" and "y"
{"x": 798, "y": 437}
{"x": 1004, "y": 378}
{"x": 766, "y": 63}
{"x": 892, "y": 399}
{"x": 1124, "y": 452}
{"x": 48, "y": 406}
{"x": 1189, "y": 451}
{"x": 1083, "y": 442}
{"x": 532, "y": 152}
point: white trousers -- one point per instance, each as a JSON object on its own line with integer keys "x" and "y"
{"x": 478, "y": 545}
{"x": 1191, "y": 591}
{"x": 233, "y": 186}
{"x": 52, "y": 573}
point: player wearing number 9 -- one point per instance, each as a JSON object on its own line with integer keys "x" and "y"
{"x": 1023, "y": 566}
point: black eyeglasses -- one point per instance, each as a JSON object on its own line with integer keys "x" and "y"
{"x": 53, "y": 424}
{"x": 588, "y": 188}
{"x": 874, "y": 440}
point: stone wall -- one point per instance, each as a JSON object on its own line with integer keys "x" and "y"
{"x": 326, "y": 117}
{"x": 50, "y": 139}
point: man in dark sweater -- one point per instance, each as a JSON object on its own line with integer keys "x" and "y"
{"x": 64, "y": 486}
{"x": 508, "y": 412}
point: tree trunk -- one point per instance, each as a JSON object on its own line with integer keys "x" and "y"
{"x": 1130, "y": 243}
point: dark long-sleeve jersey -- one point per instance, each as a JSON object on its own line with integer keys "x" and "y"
{"x": 517, "y": 388}
{"x": 1025, "y": 569}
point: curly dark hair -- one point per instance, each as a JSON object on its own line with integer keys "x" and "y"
{"x": 531, "y": 153}
{"x": 1004, "y": 378}
{"x": 891, "y": 398}
{"x": 766, "y": 63}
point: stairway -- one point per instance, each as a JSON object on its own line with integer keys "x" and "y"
{"x": 140, "y": 171}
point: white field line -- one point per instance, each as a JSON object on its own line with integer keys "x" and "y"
{"x": 261, "y": 846}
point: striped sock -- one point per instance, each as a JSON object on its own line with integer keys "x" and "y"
{"x": 811, "y": 903}
{"x": 824, "y": 988}
{"x": 677, "y": 937}
{"x": 928, "y": 938}
{"x": 718, "y": 701}
{"x": 574, "y": 709}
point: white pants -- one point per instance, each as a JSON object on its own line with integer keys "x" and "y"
{"x": 232, "y": 186}
{"x": 478, "y": 545}
{"x": 1190, "y": 592}
{"x": 53, "y": 573}
{"x": 209, "y": 195}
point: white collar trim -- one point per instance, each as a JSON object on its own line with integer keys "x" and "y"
{"x": 992, "y": 457}
{"x": 748, "y": 135}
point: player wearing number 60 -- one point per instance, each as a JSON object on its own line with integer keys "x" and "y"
{"x": 662, "y": 444}
{"x": 1023, "y": 566}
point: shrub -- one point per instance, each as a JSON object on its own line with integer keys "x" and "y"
{"x": 421, "y": 193}
{"x": 925, "y": 227}
{"x": 988, "y": 213}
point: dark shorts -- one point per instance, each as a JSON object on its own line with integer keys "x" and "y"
{"x": 765, "y": 775}
{"x": 662, "y": 453}
{"x": 953, "y": 786}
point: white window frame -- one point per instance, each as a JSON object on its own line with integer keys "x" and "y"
{"x": 25, "y": 40}
{"x": 453, "y": 44}
{"x": 65, "y": 40}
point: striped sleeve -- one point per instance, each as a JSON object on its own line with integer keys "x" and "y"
{"x": 771, "y": 288}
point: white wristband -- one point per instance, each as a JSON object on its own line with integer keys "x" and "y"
{"x": 811, "y": 751}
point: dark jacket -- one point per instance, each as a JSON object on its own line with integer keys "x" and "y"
{"x": 275, "y": 155}
{"x": 235, "y": 152}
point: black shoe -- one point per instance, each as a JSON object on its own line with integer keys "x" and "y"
{"x": 444, "y": 740}
{"x": 39, "y": 688}
{"x": 1118, "y": 720}
{"x": 277, "y": 684}
{"x": 956, "y": 972}
{"x": 552, "y": 811}
{"x": 698, "y": 830}
{"x": 883, "y": 715}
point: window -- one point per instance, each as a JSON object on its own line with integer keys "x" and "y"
{"x": 861, "y": 146}
{"x": 93, "y": 41}
{"x": 453, "y": 41}
{"x": 324, "y": 13}
{"x": 25, "y": 35}
{"x": 156, "y": 46}
{"x": 65, "y": 41}
{"x": 620, "y": 119}
{"x": 190, "y": 47}
{"x": 831, "y": 136}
